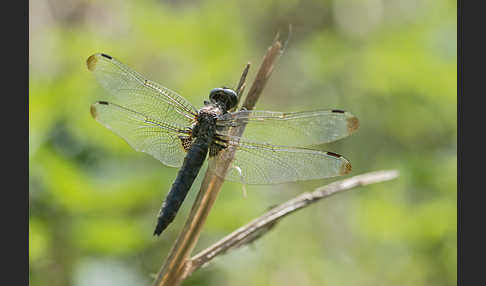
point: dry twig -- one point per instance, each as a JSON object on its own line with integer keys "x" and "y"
{"x": 261, "y": 225}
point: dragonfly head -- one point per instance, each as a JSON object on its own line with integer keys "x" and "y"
{"x": 224, "y": 97}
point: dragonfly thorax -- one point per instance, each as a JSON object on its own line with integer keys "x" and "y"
{"x": 205, "y": 127}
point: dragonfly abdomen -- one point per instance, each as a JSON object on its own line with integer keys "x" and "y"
{"x": 185, "y": 177}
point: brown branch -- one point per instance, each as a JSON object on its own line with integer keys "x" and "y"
{"x": 261, "y": 225}
{"x": 266, "y": 68}
{"x": 174, "y": 269}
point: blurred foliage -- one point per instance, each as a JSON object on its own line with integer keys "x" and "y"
{"x": 93, "y": 200}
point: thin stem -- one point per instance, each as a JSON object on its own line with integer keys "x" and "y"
{"x": 241, "y": 85}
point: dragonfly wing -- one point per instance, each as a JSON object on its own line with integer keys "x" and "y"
{"x": 143, "y": 133}
{"x": 132, "y": 90}
{"x": 256, "y": 163}
{"x": 293, "y": 129}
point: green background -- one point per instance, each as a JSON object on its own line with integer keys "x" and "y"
{"x": 93, "y": 199}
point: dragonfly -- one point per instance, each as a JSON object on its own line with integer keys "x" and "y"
{"x": 275, "y": 147}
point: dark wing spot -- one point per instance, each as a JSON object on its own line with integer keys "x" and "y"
{"x": 91, "y": 62}
{"x": 337, "y": 111}
{"x": 346, "y": 168}
{"x": 334, "y": 154}
{"x": 103, "y": 102}
{"x": 93, "y": 111}
{"x": 106, "y": 56}
{"x": 353, "y": 124}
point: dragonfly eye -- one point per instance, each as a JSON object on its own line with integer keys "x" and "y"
{"x": 224, "y": 96}
{"x": 230, "y": 92}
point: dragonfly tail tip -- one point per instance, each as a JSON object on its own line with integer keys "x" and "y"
{"x": 158, "y": 231}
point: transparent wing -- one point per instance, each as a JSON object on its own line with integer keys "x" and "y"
{"x": 144, "y": 134}
{"x": 293, "y": 129}
{"x": 256, "y": 163}
{"x": 132, "y": 90}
